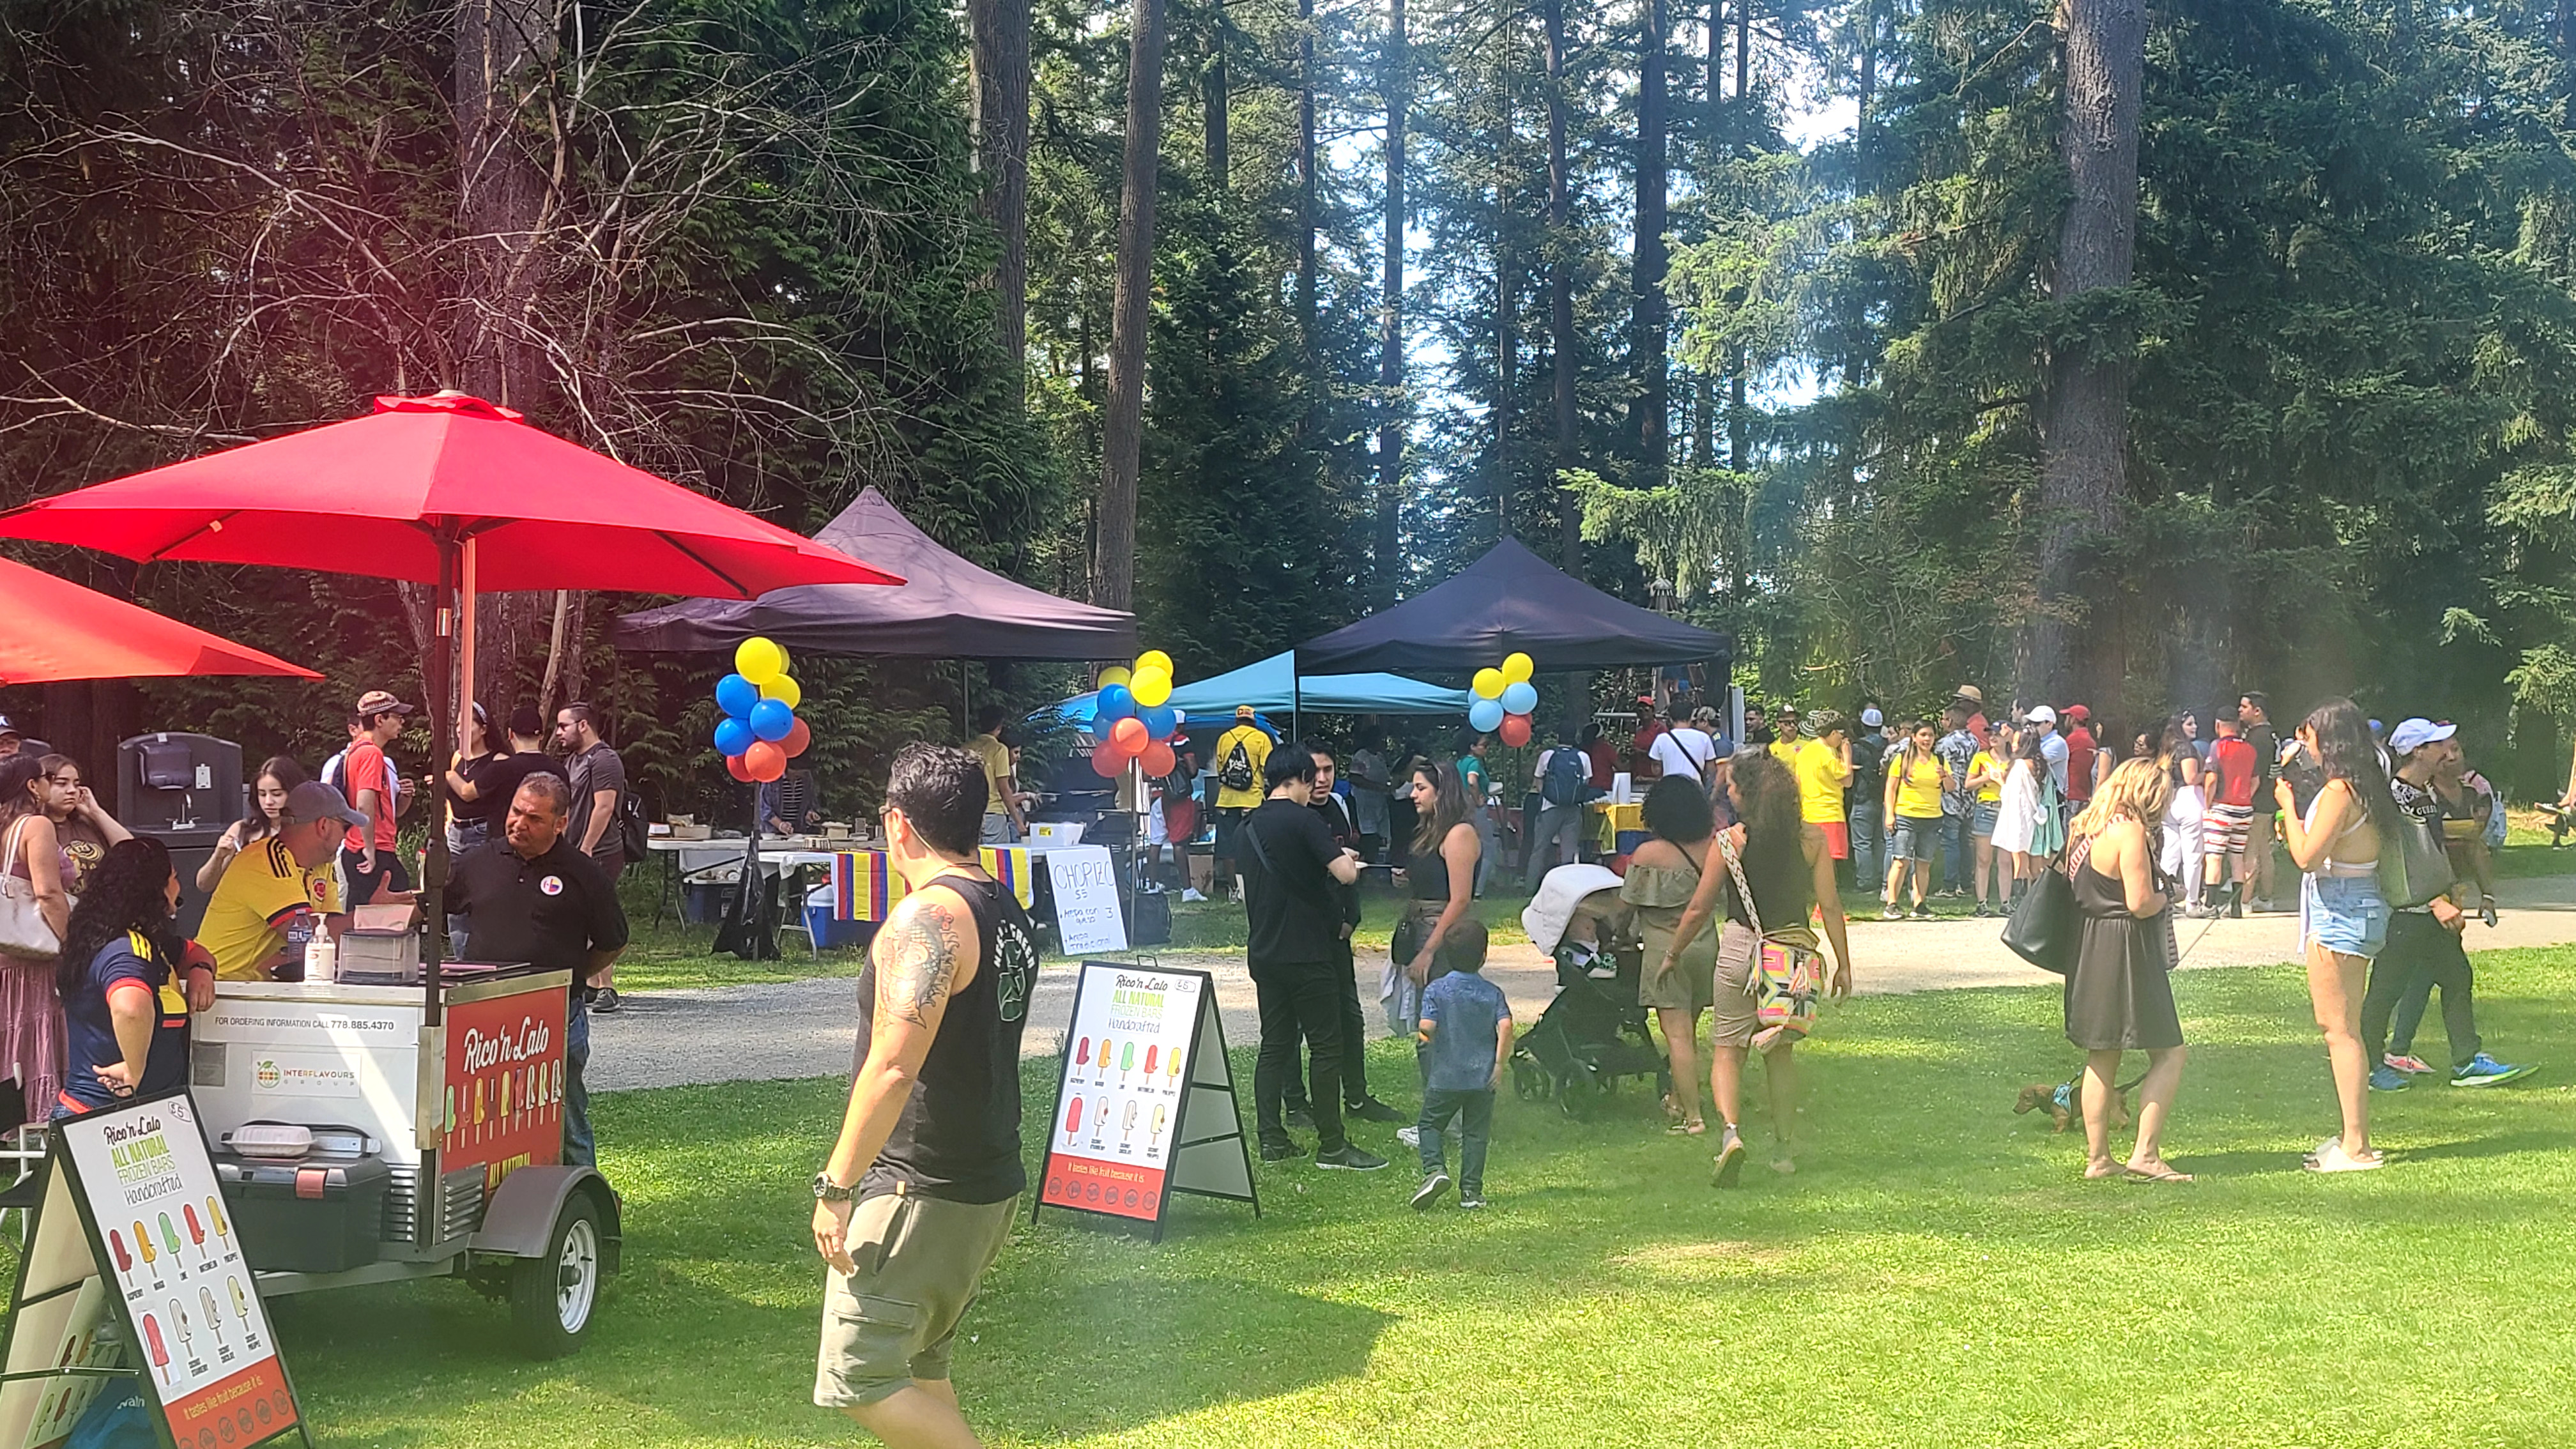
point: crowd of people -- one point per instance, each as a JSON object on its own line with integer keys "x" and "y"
{"x": 97, "y": 983}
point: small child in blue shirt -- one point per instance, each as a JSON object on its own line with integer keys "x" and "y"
{"x": 1465, "y": 1036}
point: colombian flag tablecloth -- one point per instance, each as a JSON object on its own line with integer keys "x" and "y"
{"x": 866, "y": 888}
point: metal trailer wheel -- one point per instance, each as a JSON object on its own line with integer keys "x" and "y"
{"x": 1528, "y": 1082}
{"x": 551, "y": 1297}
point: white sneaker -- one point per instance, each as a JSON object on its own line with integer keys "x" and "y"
{"x": 1410, "y": 1137}
{"x": 1190, "y": 893}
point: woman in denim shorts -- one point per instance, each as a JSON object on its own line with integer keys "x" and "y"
{"x": 1916, "y": 779}
{"x": 2343, "y": 918}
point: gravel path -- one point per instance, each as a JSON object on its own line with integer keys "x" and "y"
{"x": 807, "y": 1028}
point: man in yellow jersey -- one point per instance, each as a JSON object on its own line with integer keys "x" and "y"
{"x": 1241, "y": 754}
{"x": 274, "y": 894}
{"x": 1784, "y": 740}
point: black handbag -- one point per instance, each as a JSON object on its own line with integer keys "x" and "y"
{"x": 2046, "y": 927}
{"x": 2418, "y": 867}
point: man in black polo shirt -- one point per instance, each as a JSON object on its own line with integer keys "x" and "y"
{"x": 534, "y": 896}
{"x": 1291, "y": 867}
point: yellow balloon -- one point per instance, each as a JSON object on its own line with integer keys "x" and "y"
{"x": 1150, "y": 686}
{"x": 1517, "y": 668}
{"x": 1489, "y": 683}
{"x": 785, "y": 690}
{"x": 1115, "y": 674}
{"x": 1154, "y": 659}
{"x": 759, "y": 660}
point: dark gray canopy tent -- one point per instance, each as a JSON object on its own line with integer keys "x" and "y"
{"x": 945, "y": 608}
{"x": 1511, "y": 599}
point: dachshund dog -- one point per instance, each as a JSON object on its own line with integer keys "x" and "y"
{"x": 2064, "y": 1103}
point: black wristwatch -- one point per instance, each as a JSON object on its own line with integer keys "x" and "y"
{"x": 826, "y": 1190}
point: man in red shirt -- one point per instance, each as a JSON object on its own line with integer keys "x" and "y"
{"x": 2083, "y": 756}
{"x": 369, "y": 857}
{"x": 1603, "y": 755}
{"x": 2234, "y": 768}
{"x": 1641, "y": 758}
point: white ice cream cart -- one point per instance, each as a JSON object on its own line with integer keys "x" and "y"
{"x": 460, "y": 1087}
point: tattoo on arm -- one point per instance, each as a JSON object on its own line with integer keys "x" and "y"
{"x": 916, "y": 963}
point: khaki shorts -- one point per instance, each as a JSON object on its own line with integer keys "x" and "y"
{"x": 892, "y": 1323}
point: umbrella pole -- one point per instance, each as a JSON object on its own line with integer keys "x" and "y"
{"x": 442, "y": 660}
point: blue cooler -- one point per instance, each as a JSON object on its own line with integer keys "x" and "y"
{"x": 828, "y": 933}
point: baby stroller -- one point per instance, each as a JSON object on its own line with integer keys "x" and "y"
{"x": 1594, "y": 1032}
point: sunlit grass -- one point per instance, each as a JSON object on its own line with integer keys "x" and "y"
{"x": 1936, "y": 1274}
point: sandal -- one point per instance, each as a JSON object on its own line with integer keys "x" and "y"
{"x": 2163, "y": 1172}
{"x": 2332, "y": 1158}
{"x": 1689, "y": 1127}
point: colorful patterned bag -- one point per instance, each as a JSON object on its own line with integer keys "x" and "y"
{"x": 1787, "y": 980}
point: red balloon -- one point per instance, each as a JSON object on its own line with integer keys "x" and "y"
{"x": 1130, "y": 735}
{"x": 797, "y": 739}
{"x": 1107, "y": 760}
{"x": 766, "y": 761}
{"x": 1516, "y": 730}
{"x": 1157, "y": 759}
{"x": 733, "y": 767}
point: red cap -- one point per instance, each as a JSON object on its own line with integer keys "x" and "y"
{"x": 2078, "y": 713}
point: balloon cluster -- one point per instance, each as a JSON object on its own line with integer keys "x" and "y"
{"x": 1133, "y": 717}
{"x": 1503, "y": 700}
{"x": 760, "y": 732}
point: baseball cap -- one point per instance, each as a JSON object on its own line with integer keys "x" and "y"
{"x": 2042, "y": 714}
{"x": 314, "y": 800}
{"x": 2078, "y": 713}
{"x": 376, "y": 701}
{"x": 1824, "y": 722}
{"x": 525, "y": 721}
{"x": 1243, "y": 711}
{"x": 1871, "y": 718}
{"x": 8, "y": 726}
{"x": 2414, "y": 734}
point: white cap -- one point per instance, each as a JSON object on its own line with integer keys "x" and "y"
{"x": 2042, "y": 714}
{"x": 1872, "y": 718}
{"x": 2414, "y": 734}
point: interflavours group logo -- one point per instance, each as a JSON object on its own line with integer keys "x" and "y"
{"x": 267, "y": 1073}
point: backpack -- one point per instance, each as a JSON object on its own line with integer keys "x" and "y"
{"x": 1236, "y": 772}
{"x": 632, "y": 832}
{"x": 1567, "y": 779}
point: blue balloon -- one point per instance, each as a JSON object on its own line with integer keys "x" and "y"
{"x": 1160, "y": 720}
{"x": 733, "y": 737}
{"x": 1519, "y": 698}
{"x": 772, "y": 720}
{"x": 1116, "y": 701}
{"x": 736, "y": 695}
{"x": 1485, "y": 715}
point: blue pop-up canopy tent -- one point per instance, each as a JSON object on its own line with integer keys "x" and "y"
{"x": 1273, "y": 684}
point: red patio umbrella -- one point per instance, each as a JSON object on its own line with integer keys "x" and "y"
{"x": 448, "y": 490}
{"x": 56, "y": 630}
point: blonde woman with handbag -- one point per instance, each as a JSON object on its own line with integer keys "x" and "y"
{"x": 1768, "y": 885}
{"x": 35, "y": 911}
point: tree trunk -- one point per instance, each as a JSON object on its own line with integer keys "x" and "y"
{"x": 1652, "y": 379}
{"x": 1306, "y": 180}
{"x": 1395, "y": 82}
{"x": 1000, "y": 61}
{"x": 1743, "y": 51}
{"x": 1122, "y": 438}
{"x": 1218, "y": 106}
{"x": 1565, "y": 360}
{"x": 501, "y": 218}
{"x": 2084, "y": 403}
{"x": 1506, "y": 313}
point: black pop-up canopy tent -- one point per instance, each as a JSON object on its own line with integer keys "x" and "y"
{"x": 945, "y": 608}
{"x": 1511, "y": 599}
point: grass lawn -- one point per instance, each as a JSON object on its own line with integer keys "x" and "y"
{"x": 1935, "y": 1275}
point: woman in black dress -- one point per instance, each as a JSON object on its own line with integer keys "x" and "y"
{"x": 2119, "y": 997}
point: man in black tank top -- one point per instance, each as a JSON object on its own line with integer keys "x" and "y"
{"x": 916, "y": 1199}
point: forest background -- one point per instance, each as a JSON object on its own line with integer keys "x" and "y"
{"x": 2133, "y": 353}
